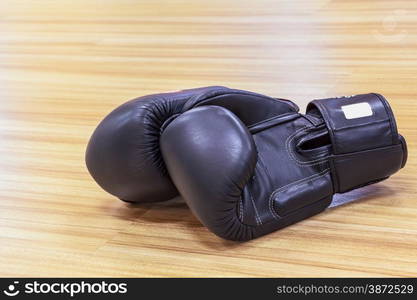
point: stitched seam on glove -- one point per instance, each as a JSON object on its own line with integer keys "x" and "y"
{"x": 259, "y": 165}
{"x": 292, "y": 155}
{"x": 258, "y": 219}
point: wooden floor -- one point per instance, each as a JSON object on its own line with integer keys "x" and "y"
{"x": 65, "y": 64}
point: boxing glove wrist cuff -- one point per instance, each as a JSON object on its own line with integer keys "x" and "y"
{"x": 363, "y": 134}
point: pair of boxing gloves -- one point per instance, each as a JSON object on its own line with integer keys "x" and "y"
{"x": 246, "y": 164}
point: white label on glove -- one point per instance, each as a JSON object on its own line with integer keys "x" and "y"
{"x": 358, "y": 110}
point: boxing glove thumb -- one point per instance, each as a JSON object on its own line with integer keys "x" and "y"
{"x": 188, "y": 141}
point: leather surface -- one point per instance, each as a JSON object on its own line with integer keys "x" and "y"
{"x": 123, "y": 154}
{"x": 245, "y": 181}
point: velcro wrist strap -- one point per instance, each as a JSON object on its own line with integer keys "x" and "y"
{"x": 366, "y": 145}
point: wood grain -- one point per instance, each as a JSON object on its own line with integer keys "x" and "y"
{"x": 65, "y": 64}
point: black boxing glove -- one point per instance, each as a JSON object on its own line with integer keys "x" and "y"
{"x": 243, "y": 181}
{"x": 123, "y": 154}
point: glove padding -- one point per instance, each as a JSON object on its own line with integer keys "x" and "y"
{"x": 123, "y": 154}
{"x": 246, "y": 180}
